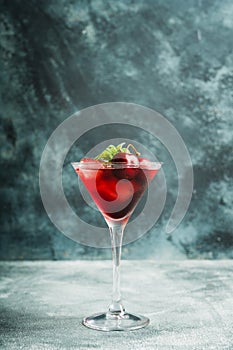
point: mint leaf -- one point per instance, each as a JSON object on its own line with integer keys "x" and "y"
{"x": 111, "y": 151}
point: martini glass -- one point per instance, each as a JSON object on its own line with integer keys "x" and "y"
{"x": 116, "y": 189}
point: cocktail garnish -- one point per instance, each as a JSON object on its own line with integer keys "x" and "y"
{"x": 111, "y": 151}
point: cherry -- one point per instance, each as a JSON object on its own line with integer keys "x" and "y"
{"x": 106, "y": 184}
{"x": 128, "y": 159}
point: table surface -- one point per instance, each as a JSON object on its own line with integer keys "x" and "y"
{"x": 189, "y": 303}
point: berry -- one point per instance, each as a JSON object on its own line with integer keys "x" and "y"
{"x": 129, "y": 160}
{"x": 106, "y": 184}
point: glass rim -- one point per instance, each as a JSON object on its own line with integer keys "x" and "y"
{"x": 119, "y": 165}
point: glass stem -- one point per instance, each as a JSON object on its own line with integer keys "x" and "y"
{"x": 116, "y": 233}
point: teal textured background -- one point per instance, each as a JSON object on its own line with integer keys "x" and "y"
{"x": 58, "y": 57}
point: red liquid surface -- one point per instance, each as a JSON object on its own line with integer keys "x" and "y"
{"x": 116, "y": 192}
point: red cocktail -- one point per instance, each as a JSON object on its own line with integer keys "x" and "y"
{"x": 116, "y": 188}
{"x": 116, "y": 180}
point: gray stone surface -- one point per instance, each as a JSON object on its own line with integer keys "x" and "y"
{"x": 57, "y": 57}
{"x": 189, "y": 304}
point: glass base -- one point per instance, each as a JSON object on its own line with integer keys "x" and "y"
{"x": 115, "y": 322}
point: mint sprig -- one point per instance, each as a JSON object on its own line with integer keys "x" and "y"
{"x": 111, "y": 151}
